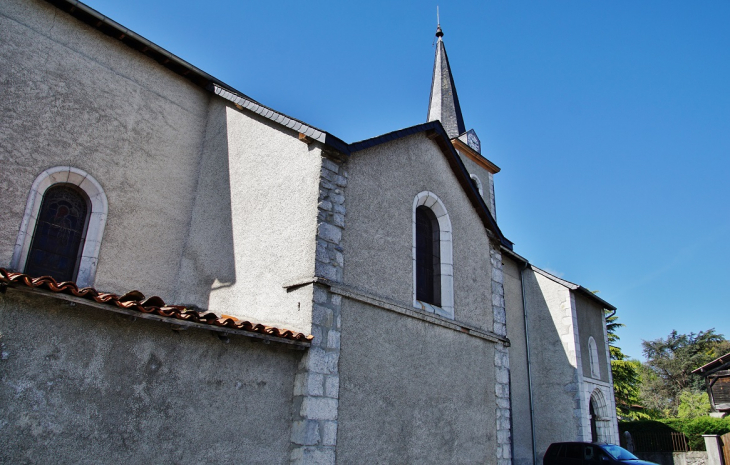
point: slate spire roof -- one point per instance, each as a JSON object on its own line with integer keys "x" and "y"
{"x": 443, "y": 105}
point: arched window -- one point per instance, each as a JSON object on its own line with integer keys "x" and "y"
{"x": 593, "y": 356}
{"x": 428, "y": 257}
{"x": 433, "y": 280}
{"x": 62, "y": 227}
{"x": 478, "y": 184}
{"x": 59, "y": 232}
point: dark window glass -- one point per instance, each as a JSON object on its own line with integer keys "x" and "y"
{"x": 428, "y": 257}
{"x": 59, "y": 233}
{"x": 553, "y": 451}
{"x": 574, "y": 451}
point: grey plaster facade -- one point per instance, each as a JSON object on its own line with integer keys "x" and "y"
{"x": 220, "y": 204}
{"x": 405, "y": 399}
{"x": 486, "y": 179}
{"x": 383, "y": 182}
{"x": 79, "y": 385}
{"x": 521, "y": 398}
{"x": 559, "y": 321}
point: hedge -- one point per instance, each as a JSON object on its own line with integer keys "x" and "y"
{"x": 693, "y": 429}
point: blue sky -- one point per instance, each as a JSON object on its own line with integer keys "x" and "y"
{"x": 610, "y": 120}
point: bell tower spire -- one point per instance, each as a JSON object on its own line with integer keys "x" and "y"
{"x": 443, "y": 105}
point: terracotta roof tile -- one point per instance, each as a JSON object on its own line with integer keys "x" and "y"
{"x": 135, "y": 300}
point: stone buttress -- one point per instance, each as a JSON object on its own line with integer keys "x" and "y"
{"x": 317, "y": 384}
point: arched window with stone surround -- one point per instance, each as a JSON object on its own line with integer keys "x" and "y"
{"x": 433, "y": 280}
{"x": 428, "y": 257}
{"x": 477, "y": 184}
{"x": 593, "y": 357}
{"x": 60, "y": 234}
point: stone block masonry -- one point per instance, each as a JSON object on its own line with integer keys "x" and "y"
{"x": 501, "y": 362}
{"x": 317, "y": 384}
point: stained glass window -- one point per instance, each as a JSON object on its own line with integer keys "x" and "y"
{"x": 59, "y": 233}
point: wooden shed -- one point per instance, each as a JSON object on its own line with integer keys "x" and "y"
{"x": 717, "y": 378}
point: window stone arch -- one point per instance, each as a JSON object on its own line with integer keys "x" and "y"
{"x": 445, "y": 269}
{"x": 478, "y": 184}
{"x": 593, "y": 358}
{"x": 97, "y": 215}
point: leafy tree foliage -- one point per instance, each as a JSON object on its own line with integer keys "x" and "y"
{"x": 693, "y": 404}
{"x": 626, "y": 386}
{"x": 626, "y": 380}
{"x": 669, "y": 365}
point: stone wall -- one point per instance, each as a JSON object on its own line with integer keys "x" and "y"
{"x": 501, "y": 362}
{"x": 674, "y": 458}
{"x": 316, "y": 391}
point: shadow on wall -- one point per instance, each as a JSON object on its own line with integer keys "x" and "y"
{"x": 555, "y": 385}
{"x": 208, "y": 262}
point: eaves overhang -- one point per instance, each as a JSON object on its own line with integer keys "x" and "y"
{"x": 525, "y": 263}
{"x": 243, "y": 101}
{"x": 435, "y": 131}
{"x": 475, "y": 156}
{"x": 176, "y": 64}
{"x": 574, "y": 287}
{"x": 111, "y": 28}
{"x": 715, "y": 365}
{"x": 135, "y": 304}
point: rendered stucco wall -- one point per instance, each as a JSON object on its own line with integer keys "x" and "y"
{"x": 254, "y": 223}
{"x": 378, "y": 239}
{"x": 556, "y": 383}
{"x": 487, "y": 180}
{"x": 200, "y": 194}
{"x": 84, "y": 386}
{"x": 519, "y": 381}
{"x": 73, "y": 96}
{"x": 413, "y": 392}
{"x": 590, "y": 323}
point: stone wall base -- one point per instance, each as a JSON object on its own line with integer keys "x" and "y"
{"x": 674, "y": 458}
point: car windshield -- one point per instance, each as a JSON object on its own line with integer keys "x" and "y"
{"x": 619, "y": 453}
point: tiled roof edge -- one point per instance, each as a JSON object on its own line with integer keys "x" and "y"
{"x": 136, "y": 301}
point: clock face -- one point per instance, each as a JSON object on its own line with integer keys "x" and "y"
{"x": 473, "y": 141}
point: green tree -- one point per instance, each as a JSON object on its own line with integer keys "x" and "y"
{"x": 671, "y": 362}
{"x": 626, "y": 387}
{"x": 625, "y": 372}
{"x": 693, "y": 404}
{"x": 650, "y": 397}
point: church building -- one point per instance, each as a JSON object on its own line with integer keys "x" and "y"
{"x": 313, "y": 301}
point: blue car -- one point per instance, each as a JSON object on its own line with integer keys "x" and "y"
{"x": 586, "y": 453}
